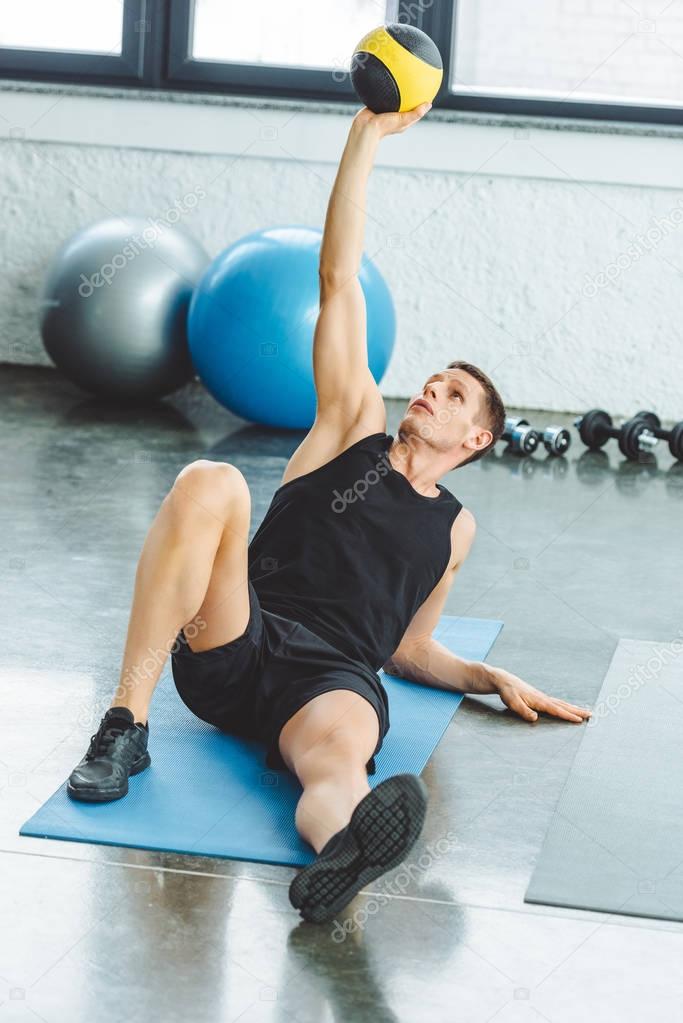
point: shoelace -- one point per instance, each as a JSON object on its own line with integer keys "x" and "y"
{"x": 101, "y": 743}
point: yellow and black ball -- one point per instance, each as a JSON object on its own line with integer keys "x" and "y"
{"x": 396, "y": 67}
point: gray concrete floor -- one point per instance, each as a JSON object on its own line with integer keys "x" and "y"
{"x": 572, "y": 554}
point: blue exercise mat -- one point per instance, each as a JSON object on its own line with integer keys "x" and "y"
{"x": 210, "y": 794}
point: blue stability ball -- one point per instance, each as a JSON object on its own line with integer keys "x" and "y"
{"x": 251, "y": 324}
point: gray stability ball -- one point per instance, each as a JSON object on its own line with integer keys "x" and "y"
{"x": 113, "y": 311}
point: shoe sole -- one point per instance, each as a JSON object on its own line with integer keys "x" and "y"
{"x": 88, "y": 795}
{"x": 383, "y": 829}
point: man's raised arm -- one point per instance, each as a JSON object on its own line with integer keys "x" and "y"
{"x": 343, "y": 381}
{"x": 349, "y": 404}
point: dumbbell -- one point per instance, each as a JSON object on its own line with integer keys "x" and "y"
{"x": 635, "y": 436}
{"x": 521, "y": 437}
{"x": 556, "y": 440}
{"x": 674, "y": 436}
{"x": 524, "y": 439}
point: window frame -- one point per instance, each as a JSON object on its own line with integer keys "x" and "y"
{"x": 155, "y": 44}
{"x": 438, "y": 21}
{"x": 73, "y": 66}
{"x": 275, "y": 81}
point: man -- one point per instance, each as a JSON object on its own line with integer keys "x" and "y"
{"x": 281, "y": 639}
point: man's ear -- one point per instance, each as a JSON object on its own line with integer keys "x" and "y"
{"x": 479, "y": 438}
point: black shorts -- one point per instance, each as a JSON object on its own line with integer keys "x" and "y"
{"x": 253, "y": 685}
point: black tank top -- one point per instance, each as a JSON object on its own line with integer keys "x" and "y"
{"x": 351, "y": 550}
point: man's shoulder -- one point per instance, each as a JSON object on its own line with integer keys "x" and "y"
{"x": 462, "y": 535}
{"x": 465, "y": 521}
{"x": 325, "y": 444}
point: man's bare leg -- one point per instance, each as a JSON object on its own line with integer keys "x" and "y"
{"x": 192, "y": 569}
{"x": 358, "y": 833}
{"x": 326, "y": 745}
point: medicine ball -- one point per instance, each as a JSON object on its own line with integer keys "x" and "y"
{"x": 395, "y": 68}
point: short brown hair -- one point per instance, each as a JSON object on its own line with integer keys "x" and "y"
{"x": 493, "y": 408}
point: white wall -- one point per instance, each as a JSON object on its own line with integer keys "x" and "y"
{"x": 497, "y": 266}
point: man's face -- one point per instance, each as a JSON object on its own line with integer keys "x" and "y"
{"x": 446, "y": 412}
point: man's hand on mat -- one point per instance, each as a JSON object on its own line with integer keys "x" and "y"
{"x": 526, "y": 701}
{"x": 389, "y": 124}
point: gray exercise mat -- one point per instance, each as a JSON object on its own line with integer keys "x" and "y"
{"x": 615, "y": 843}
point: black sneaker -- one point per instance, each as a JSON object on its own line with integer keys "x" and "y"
{"x": 117, "y": 749}
{"x": 383, "y": 828}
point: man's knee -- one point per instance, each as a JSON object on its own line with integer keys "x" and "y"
{"x": 339, "y": 751}
{"x": 216, "y": 488}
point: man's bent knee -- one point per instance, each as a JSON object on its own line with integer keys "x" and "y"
{"x": 217, "y": 488}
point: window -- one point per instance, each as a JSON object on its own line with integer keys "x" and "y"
{"x": 77, "y": 25}
{"x": 72, "y": 40}
{"x": 294, "y": 47}
{"x": 613, "y": 59}
{"x": 590, "y": 50}
{"x": 300, "y": 33}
